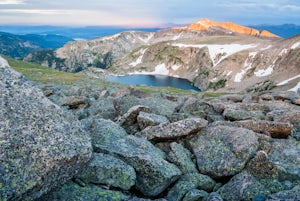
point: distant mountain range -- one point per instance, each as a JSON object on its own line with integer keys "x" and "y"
{"x": 284, "y": 31}
{"x": 19, "y": 46}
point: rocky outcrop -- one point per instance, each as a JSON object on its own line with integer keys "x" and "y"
{"x": 41, "y": 146}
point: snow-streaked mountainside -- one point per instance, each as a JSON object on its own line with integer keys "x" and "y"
{"x": 215, "y": 58}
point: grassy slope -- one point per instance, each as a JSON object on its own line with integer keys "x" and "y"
{"x": 43, "y": 75}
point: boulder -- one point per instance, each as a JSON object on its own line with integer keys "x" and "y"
{"x": 275, "y": 129}
{"x": 160, "y": 105}
{"x": 108, "y": 170}
{"x": 240, "y": 114}
{"x": 73, "y": 102}
{"x": 293, "y": 194}
{"x": 124, "y": 103}
{"x": 224, "y": 151}
{"x": 286, "y": 116}
{"x": 103, "y": 108}
{"x": 189, "y": 182}
{"x": 242, "y": 187}
{"x": 195, "y": 195}
{"x": 296, "y": 101}
{"x": 129, "y": 120}
{"x": 181, "y": 157}
{"x": 173, "y": 131}
{"x": 148, "y": 119}
{"x": 154, "y": 173}
{"x": 72, "y": 191}
{"x": 41, "y": 146}
{"x": 103, "y": 132}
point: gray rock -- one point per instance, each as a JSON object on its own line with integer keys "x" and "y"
{"x": 154, "y": 173}
{"x": 288, "y": 195}
{"x": 124, "y": 103}
{"x": 103, "y": 108}
{"x": 195, "y": 195}
{"x": 73, "y": 192}
{"x": 173, "y": 131}
{"x": 41, "y": 146}
{"x": 285, "y": 156}
{"x": 242, "y": 187}
{"x": 103, "y": 132}
{"x": 108, "y": 170}
{"x": 213, "y": 197}
{"x": 145, "y": 199}
{"x": 160, "y": 105}
{"x": 129, "y": 120}
{"x": 181, "y": 157}
{"x": 189, "y": 182}
{"x": 239, "y": 114}
{"x": 291, "y": 117}
{"x": 223, "y": 151}
{"x": 148, "y": 119}
{"x": 275, "y": 129}
{"x": 73, "y": 102}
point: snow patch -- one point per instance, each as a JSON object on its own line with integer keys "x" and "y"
{"x": 177, "y": 37}
{"x": 3, "y": 62}
{"x": 219, "y": 52}
{"x": 296, "y": 88}
{"x": 266, "y": 72}
{"x": 288, "y": 80}
{"x": 229, "y": 73}
{"x": 161, "y": 69}
{"x": 146, "y": 40}
{"x": 139, "y": 59}
{"x": 296, "y": 45}
{"x": 283, "y": 52}
{"x": 266, "y": 48}
{"x": 110, "y": 37}
{"x": 247, "y": 65}
{"x": 175, "y": 67}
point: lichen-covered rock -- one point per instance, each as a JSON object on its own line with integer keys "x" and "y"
{"x": 124, "y": 103}
{"x": 195, "y": 195}
{"x": 154, "y": 173}
{"x": 223, "y": 151}
{"x": 285, "y": 156}
{"x": 103, "y": 132}
{"x": 275, "y": 129}
{"x": 293, "y": 194}
{"x": 41, "y": 146}
{"x": 129, "y": 120}
{"x": 175, "y": 130}
{"x": 242, "y": 187}
{"x": 288, "y": 116}
{"x": 149, "y": 119}
{"x": 189, "y": 182}
{"x": 239, "y": 114}
{"x": 73, "y": 192}
{"x": 181, "y": 157}
{"x": 108, "y": 170}
{"x": 213, "y": 197}
{"x": 103, "y": 108}
{"x": 73, "y": 102}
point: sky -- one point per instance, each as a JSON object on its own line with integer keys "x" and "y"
{"x": 147, "y": 13}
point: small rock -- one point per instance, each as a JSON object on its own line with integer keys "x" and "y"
{"x": 259, "y": 197}
{"x": 181, "y": 157}
{"x": 108, "y": 170}
{"x": 242, "y": 187}
{"x": 224, "y": 151}
{"x": 213, "y": 197}
{"x": 173, "y": 131}
{"x": 189, "y": 182}
{"x": 287, "y": 195}
{"x": 73, "y": 102}
{"x": 291, "y": 117}
{"x": 72, "y": 191}
{"x": 296, "y": 101}
{"x": 148, "y": 119}
{"x": 275, "y": 129}
{"x": 239, "y": 114}
{"x": 129, "y": 120}
{"x": 195, "y": 195}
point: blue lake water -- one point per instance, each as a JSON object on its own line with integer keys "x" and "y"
{"x": 154, "y": 80}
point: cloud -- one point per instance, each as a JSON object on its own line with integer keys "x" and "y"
{"x": 291, "y": 7}
{"x": 34, "y": 11}
{"x": 12, "y": 2}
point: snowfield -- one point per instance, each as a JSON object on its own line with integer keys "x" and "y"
{"x": 288, "y": 80}
{"x": 296, "y": 45}
{"x": 139, "y": 59}
{"x": 264, "y": 72}
{"x": 220, "y": 52}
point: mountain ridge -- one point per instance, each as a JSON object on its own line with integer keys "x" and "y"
{"x": 205, "y": 24}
